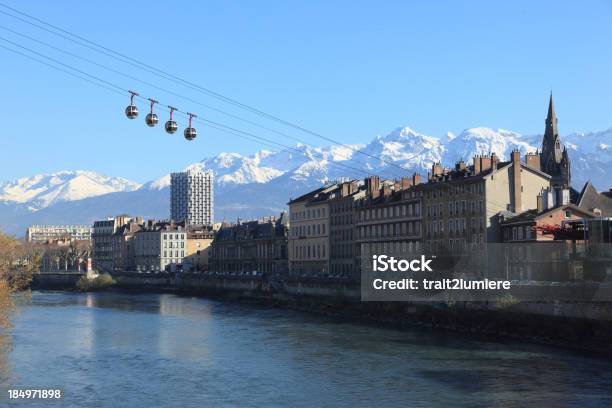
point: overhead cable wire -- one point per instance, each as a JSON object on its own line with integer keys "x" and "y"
{"x": 131, "y": 77}
{"x": 122, "y": 91}
{"x": 164, "y": 74}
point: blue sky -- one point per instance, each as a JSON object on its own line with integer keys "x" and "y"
{"x": 347, "y": 69}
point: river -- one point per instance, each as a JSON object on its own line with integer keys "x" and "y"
{"x": 160, "y": 350}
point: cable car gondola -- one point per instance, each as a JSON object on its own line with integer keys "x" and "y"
{"x": 190, "y": 132}
{"x": 131, "y": 111}
{"x": 152, "y": 118}
{"x": 171, "y": 125}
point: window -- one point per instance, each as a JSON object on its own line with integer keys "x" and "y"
{"x": 568, "y": 213}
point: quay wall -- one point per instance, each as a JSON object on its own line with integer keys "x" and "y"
{"x": 579, "y": 325}
{"x": 56, "y": 280}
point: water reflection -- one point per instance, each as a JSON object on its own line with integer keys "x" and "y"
{"x": 110, "y": 349}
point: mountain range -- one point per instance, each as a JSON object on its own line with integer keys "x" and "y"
{"x": 80, "y": 197}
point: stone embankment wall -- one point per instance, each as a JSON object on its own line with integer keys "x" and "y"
{"x": 56, "y": 280}
{"x": 581, "y": 325}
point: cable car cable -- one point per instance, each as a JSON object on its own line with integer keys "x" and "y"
{"x": 119, "y": 90}
{"x": 175, "y": 78}
{"x": 156, "y": 87}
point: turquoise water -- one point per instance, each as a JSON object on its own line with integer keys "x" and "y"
{"x": 152, "y": 350}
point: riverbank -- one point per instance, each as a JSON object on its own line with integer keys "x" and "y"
{"x": 567, "y": 325}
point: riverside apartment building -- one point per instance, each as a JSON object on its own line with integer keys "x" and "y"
{"x": 309, "y": 239}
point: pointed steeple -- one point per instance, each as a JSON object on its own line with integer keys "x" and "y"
{"x": 551, "y": 145}
{"x": 551, "y": 118}
{"x": 554, "y": 158}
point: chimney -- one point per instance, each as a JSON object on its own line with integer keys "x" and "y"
{"x": 345, "y": 189}
{"x": 516, "y": 181}
{"x": 386, "y": 190}
{"x": 460, "y": 165}
{"x": 540, "y": 202}
{"x": 406, "y": 182}
{"x": 494, "y": 161}
{"x": 416, "y": 179}
{"x": 485, "y": 163}
{"x": 477, "y": 168}
{"x": 564, "y": 196}
{"x": 373, "y": 186}
{"x": 533, "y": 160}
{"x": 436, "y": 170}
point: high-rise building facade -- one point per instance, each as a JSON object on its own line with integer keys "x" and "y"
{"x": 191, "y": 197}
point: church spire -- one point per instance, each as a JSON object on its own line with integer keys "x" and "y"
{"x": 551, "y": 144}
{"x": 554, "y": 159}
{"x": 551, "y": 118}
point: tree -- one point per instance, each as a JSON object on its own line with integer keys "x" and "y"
{"x": 18, "y": 262}
{"x": 7, "y": 249}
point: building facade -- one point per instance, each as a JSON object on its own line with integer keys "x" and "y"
{"x": 160, "y": 247}
{"x": 192, "y": 197}
{"x": 461, "y": 205}
{"x": 123, "y": 246}
{"x": 344, "y": 253}
{"x": 309, "y": 239}
{"x": 253, "y": 246}
{"x": 388, "y": 219}
{"x": 102, "y": 238}
{"x": 544, "y": 224}
{"x": 199, "y": 251}
{"x": 44, "y": 233}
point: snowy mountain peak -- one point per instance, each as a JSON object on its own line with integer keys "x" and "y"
{"x": 43, "y": 190}
{"x": 272, "y": 177}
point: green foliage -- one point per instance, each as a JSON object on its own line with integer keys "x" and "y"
{"x": 101, "y": 281}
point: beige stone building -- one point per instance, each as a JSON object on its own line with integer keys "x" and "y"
{"x": 309, "y": 239}
{"x": 199, "y": 240}
{"x": 461, "y": 205}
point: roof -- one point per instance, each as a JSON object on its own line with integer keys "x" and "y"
{"x": 467, "y": 174}
{"x": 307, "y": 196}
{"x": 253, "y": 230}
{"x": 533, "y": 215}
{"x": 589, "y": 199}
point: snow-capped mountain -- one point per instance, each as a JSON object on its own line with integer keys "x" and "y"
{"x": 276, "y": 176}
{"x": 402, "y": 147}
{"x": 43, "y": 190}
{"x": 486, "y": 141}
